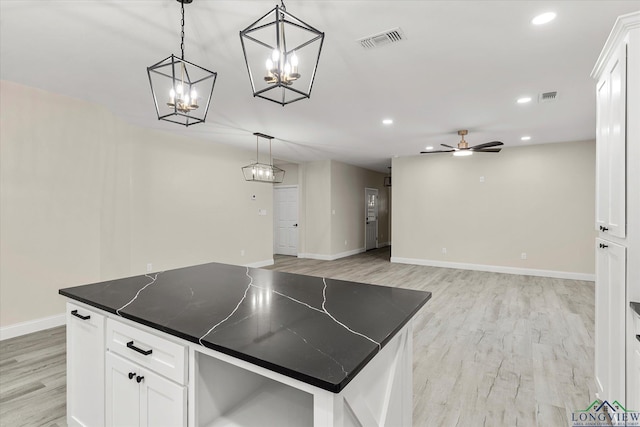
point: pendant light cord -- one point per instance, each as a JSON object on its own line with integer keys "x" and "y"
{"x": 182, "y": 30}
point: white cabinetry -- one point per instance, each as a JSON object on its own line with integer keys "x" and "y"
{"x": 611, "y": 146}
{"x": 610, "y": 320}
{"x": 145, "y": 379}
{"x": 85, "y": 367}
{"x": 140, "y": 397}
{"x": 634, "y": 383}
{"x": 617, "y": 72}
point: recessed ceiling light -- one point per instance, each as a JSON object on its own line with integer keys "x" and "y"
{"x": 387, "y": 122}
{"x": 428, "y": 148}
{"x": 543, "y": 18}
{"x": 525, "y": 138}
{"x": 524, "y": 100}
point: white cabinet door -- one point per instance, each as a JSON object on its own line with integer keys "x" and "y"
{"x": 611, "y": 146}
{"x": 634, "y": 402}
{"x": 163, "y": 402}
{"x": 85, "y": 367}
{"x": 610, "y": 320}
{"x": 123, "y": 392}
{"x": 140, "y": 397}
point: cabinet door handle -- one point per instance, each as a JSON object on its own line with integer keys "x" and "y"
{"x": 75, "y": 313}
{"x": 603, "y": 246}
{"x": 139, "y": 350}
{"x": 139, "y": 379}
{"x": 605, "y": 229}
{"x": 638, "y": 337}
{"x": 131, "y": 375}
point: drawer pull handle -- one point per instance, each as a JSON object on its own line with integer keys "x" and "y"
{"x": 139, "y": 350}
{"x": 131, "y": 375}
{"x": 139, "y": 379}
{"x": 80, "y": 316}
{"x": 603, "y": 246}
{"x": 638, "y": 337}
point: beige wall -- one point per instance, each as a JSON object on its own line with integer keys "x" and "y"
{"x": 536, "y": 199}
{"x": 85, "y": 197}
{"x": 316, "y": 226}
{"x": 290, "y": 173}
{"x": 348, "y": 185}
{"x": 330, "y": 186}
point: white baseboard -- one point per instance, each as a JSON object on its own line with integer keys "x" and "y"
{"x": 383, "y": 244}
{"x": 332, "y": 257}
{"x": 23, "y": 328}
{"x": 497, "y": 269}
{"x": 259, "y": 264}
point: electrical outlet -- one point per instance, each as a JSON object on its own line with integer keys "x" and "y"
{"x": 444, "y": 250}
{"x": 523, "y": 255}
{"x": 482, "y": 179}
{"x": 241, "y": 252}
{"x": 345, "y": 243}
{"x": 149, "y": 267}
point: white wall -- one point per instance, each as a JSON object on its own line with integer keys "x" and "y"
{"x": 537, "y": 199}
{"x": 86, "y": 197}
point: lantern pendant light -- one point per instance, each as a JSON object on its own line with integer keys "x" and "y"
{"x": 179, "y": 86}
{"x": 281, "y": 53}
{"x": 262, "y": 172}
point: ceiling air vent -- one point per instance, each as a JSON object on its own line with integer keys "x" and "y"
{"x": 382, "y": 39}
{"x": 548, "y": 96}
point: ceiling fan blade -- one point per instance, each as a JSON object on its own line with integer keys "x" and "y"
{"x": 486, "y": 145}
{"x": 488, "y": 150}
{"x": 448, "y": 146}
{"x": 438, "y": 151}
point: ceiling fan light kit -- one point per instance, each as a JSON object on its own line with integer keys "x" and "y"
{"x": 463, "y": 148}
{"x": 282, "y": 54}
{"x": 181, "y": 90}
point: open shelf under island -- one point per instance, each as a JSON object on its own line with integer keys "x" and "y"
{"x": 223, "y": 345}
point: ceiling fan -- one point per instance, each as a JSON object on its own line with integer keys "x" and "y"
{"x": 463, "y": 148}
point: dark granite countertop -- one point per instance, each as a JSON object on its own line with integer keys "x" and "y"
{"x": 635, "y": 306}
{"x": 317, "y": 330}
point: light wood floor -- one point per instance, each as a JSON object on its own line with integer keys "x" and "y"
{"x": 489, "y": 349}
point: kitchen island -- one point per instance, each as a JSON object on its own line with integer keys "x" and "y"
{"x": 223, "y": 345}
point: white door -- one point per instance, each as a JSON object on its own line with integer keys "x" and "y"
{"x": 610, "y": 320}
{"x": 611, "y": 147}
{"x": 163, "y": 402}
{"x": 123, "y": 392}
{"x": 285, "y": 200}
{"x": 85, "y": 367}
{"x": 371, "y": 218}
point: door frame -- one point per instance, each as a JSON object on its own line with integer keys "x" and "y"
{"x": 276, "y": 213}
{"x": 365, "y": 215}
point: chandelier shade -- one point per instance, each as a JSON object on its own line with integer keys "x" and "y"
{"x": 181, "y": 90}
{"x": 282, "y": 54}
{"x": 263, "y": 172}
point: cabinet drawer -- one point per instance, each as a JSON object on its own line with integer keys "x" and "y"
{"x": 148, "y": 350}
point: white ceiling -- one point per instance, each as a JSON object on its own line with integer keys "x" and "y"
{"x": 463, "y": 66}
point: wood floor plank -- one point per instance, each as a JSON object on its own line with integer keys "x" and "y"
{"x": 490, "y": 349}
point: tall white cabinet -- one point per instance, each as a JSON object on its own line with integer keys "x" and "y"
{"x": 617, "y": 72}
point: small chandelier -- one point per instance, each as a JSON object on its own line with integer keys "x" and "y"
{"x": 262, "y": 172}
{"x": 278, "y": 71}
{"x": 180, "y": 86}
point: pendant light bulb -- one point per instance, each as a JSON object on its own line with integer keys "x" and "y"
{"x": 294, "y": 60}
{"x": 275, "y": 55}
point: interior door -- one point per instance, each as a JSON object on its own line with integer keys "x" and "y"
{"x": 371, "y": 218}
{"x": 285, "y": 233}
